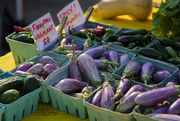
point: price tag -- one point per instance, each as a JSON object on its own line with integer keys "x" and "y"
{"x": 75, "y": 16}
{"x": 43, "y": 30}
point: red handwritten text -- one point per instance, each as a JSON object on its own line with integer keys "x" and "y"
{"x": 46, "y": 40}
{"x": 75, "y": 16}
{"x": 67, "y": 12}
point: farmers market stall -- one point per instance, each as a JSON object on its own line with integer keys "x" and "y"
{"x": 49, "y": 110}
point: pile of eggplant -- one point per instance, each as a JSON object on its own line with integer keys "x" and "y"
{"x": 162, "y": 103}
{"x": 146, "y": 73}
{"x": 40, "y": 70}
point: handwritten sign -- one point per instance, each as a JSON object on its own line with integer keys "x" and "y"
{"x": 44, "y": 31}
{"x": 75, "y": 16}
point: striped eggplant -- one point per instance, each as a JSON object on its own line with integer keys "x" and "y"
{"x": 147, "y": 70}
{"x": 170, "y": 84}
{"x": 114, "y": 57}
{"x": 96, "y": 52}
{"x": 123, "y": 86}
{"x": 160, "y": 75}
{"x": 166, "y": 117}
{"x": 70, "y": 85}
{"x": 106, "y": 98}
{"x": 175, "y": 107}
{"x": 97, "y": 98}
{"x": 75, "y": 94}
{"x": 23, "y": 73}
{"x": 131, "y": 70}
{"x": 49, "y": 68}
{"x": 105, "y": 54}
{"x": 47, "y": 59}
{"x": 25, "y": 66}
{"x": 65, "y": 41}
{"x": 88, "y": 66}
{"x": 128, "y": 104}
{"x": 155, "y": 96}
{"x": 76, "y": 52}
{"x": 36, "y": 69}
{"x": 134, "y": 88}
{"x": 162, "y": 109}
{"x": 123, "y": 59}
{"x": 74, "y": 66}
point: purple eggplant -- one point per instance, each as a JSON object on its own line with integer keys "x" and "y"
{"x": 74, "y": 66}
{"x": 123, "y": 86}
{"x": 155, "y": 96}
{"x": 47, "y": 59}
{"x": 160, "y": 75}
{"x": 88, "y": 66}
{"x": 88, "y": 90}
{"x": 128, "y": 104}
{"x": 97, "y": 98}
{"x": 25, "y": 66}
{"x": 126, "y": 39}
{"x": 123, "y": 59}
{"x": 74, "y": 94}
{"x": 134, "y": 88}
{"x": 175, "y": 107}
{"x": 170, "y": 84}
{"x": 106, "y": 98}
{"x": 96, "y": 52}
{"x": 43, "y": 75}
{"x": 166, "y": 117}
{"x": 65, "y": 41}
{"x": 113, "y": 55}
{"x": 36, "y": 69}
{"x": 147, "y": 70}
{"x": 18, "y": 72}
{"x": 162, "y": 109}
{"x": 70, "y": 85}
{"x": 88, "y": 42}
{"x": 105, "y": 54}
{"x": 76, "y": 52}
{"x": 131, "y": 70}
{"x": 49, "y": 68}
{"x": 76, "y": 47}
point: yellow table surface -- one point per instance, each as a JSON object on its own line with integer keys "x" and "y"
{"x": 45, "y": 112}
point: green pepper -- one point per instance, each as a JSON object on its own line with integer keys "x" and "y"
{"x": 80, "y": 33}
{"x": 27, "y": 38}
{"x": 171, "y": 52}
{"x": 132, "y": 45}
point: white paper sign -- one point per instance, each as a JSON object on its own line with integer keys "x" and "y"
{"x": 75, "y": 16}
{"x": 44, "y": 31}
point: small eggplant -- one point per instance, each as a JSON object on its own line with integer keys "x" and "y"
{"x": 123, "y": 86}
{"x": 170, "y": 84}
{"x": 65, "y": 41}
{"x": 131, "y": 70}
{"x": 147, "y": 70}
{"x": 69, "y": 47}
{"x": 47, "y": 59}
{"x": 126, "y": 39}
{"x": 124, "y": 58}
{"x": 36, "y": 69}
{"x": 160, "y": 75}
{"x": 97, "y": 98}
{"x": 74, "y": 66}
{"x": 18, "y": 72}
{"x": 49, "y": 68}
{"x": 25, "y": 66}
{"x": 76, "y": 52}
{"x": 162, "y": 109}
{"x": 105, "y": 54}
{"x": 175, "y": 107}
{"x": 88, "y": 90}
{"x": 128, "y": 104}
{"x": 74, "y": 94}
{"x": 113, "y": 56}
{"x": 96, "y": 52}
{"x": 70, "y": 85}
{"x": 166, "y": 117}
{"x": 155, "y": 96}
{"x": 134, "y": 88}
{"x": 88, "y": 66}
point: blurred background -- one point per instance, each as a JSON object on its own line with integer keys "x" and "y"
{"x": 31, "y": 10}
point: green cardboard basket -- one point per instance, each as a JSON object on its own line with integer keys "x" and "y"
{"x": 2, "y": 110}
{"x": 21, "y": 51}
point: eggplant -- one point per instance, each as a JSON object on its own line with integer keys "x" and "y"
{"x": 88, "y": 66}
{"x": 123, "y": 59}
{"x": 97, "y": 98}
{"x": 65, "y": 41}
{"x": 147, "y": 70}
{"x": 104, "y": 54}
{"x": 134, "y": 88}
{"x": 96, "y": 52}
{"x": 123, "y": 86}
{"x": 126, "y": 39}
{"x": 113, "y": 55}
{"x": 49, "y": 68}
{"x": 155, "y": 96}
{"x": 162, "y": 109}
{"x": 106, "y": 98}
{"x": 47, "y": 59}
{"x": 24, "y": 73}
{"x": 74, "y": 94}
{"x": 43, "y": 75}
{"x": 131, "y": 70}
{"x": 128, "y": 104}
{"x": 88, "y": 90}
{"x": 70, "y": 85}
{"x": 74, "y": 66}
{"x": 174, "y": 108}
{"x": 25, "y": 66}
{"x": 160, "y": 75}
{"x": 170, "y": 84}
{"x": 166, "y": 117}
{"x": 36, "y": 69}
{"x": 76, "y": 52}
{"x": 69, "y": 47}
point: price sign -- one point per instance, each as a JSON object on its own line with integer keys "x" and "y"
{"x": 75, "y": 16}
{"x": 44, "y": 31}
